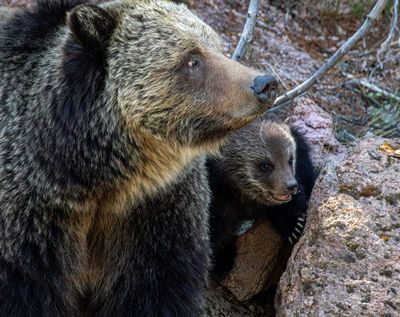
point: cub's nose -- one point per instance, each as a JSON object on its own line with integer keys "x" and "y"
{"x": 265, "y": 87}
{"x": 292, "y": 188}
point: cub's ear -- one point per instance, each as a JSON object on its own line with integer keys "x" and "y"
{"x": 90, "y": 25}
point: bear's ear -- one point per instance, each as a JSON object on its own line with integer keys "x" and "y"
{"x": 90, "y": 25}
{"x": 83, "y": 68}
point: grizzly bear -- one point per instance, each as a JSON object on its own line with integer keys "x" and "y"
{"x": 264, "y": 171}
{"x": 106, "y": 114}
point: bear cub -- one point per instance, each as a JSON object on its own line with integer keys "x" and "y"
{"x": 264, "y": 171}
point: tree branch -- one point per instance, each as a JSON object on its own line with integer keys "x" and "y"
{"x": 248, "y": 30}
{"x": 393, "y": 26}
{"x": 332, "y": 61}
{"x": 364, "y": 82}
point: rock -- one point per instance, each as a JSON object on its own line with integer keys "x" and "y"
{"x": 316, "y": 124}
{"x": 220, "y": 303}
{"x": 347, "y": 263}
{"x": 258, "y": 254}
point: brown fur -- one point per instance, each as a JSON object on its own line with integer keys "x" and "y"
{"x": 263, "y": 171}
{"x": 106, "y": 114}
{"x": 258, "y": 143}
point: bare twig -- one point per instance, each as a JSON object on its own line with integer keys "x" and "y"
{"x": 393, "y": 27}
{"x": 332, "y": 61}
{"x": 248, "y": 30}
{"x": 364, "y": 82}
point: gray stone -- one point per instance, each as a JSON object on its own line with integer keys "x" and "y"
{"x": 316, "y": 124}
{"x": 347, "y": 263}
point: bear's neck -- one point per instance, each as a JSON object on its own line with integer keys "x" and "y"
{"x": 105, "y": 162}
{"x": 158, "y": 165}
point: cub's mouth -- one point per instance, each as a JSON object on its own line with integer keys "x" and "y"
{"x": 282, "y": 197}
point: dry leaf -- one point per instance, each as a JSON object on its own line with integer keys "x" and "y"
{"x": 391, "y": 150}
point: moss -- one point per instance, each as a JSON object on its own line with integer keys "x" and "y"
{"x": 384, "y": 237}
{"x": 350, "y": 189}
{"x": 393, "y": 199}
{"x": 352, "y": 246}
{"x": 386, "y": 272}
{"x": 350, "y": 289}
{"x": 370, "y": 191}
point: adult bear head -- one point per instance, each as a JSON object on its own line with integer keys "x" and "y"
{"x": 163, "y": 71}
{"x": 130, "y": 90}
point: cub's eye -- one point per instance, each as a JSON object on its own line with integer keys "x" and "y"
{"x": 291, "y": 161}
{"x": 267, "y": 166}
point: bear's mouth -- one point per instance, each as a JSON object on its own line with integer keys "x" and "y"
{"x": 250, "y": 111}
{"x": 282, "y": 197}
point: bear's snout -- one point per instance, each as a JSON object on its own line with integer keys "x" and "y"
{"x": 265, "y": 87}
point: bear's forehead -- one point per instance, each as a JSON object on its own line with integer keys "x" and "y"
{"x": 277, "y": 140}
{"x": 277, "y": 148}
{"x": 164, "y": 21}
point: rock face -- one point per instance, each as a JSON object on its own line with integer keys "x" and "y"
{"x": 348, "y": 261}
{"x": 316, "y": 124}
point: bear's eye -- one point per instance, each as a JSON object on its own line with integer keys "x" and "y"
{"x": 267, "y": 166}
{"x": 193, "y": 62}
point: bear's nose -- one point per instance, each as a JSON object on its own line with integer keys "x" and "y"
{"x": 265, "y": 87}
{"x": 292, "y": 188}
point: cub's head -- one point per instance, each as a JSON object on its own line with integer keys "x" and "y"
{"x": 160, "y": 69}
{"x": 260, "y": 160}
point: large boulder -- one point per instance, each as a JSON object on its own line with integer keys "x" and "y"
{"x": 317, "y": 126}
{"x": 348, "y": 261}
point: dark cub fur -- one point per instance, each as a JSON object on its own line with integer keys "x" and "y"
{"x": 264, "y": 171}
